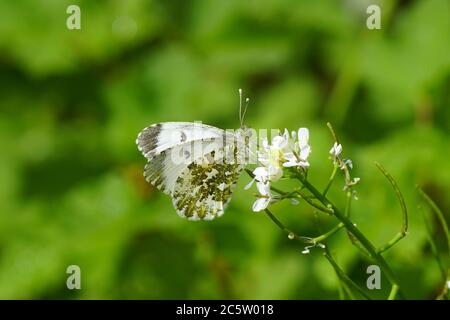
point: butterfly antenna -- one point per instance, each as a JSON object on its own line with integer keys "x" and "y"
{"x": 247, "y": 100}
{"x": 240, "y": 106}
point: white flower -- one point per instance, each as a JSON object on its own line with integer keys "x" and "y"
{"x": 336, "y": 150}
{"x": 265, "y": 174}
{"x": 348, "y": 163}
{"x": 272, "y": 154}
{"x": 279, "y": 142}
{"x": 265, "y": 197}
{"x": 293, "y": 161}
{"x": 303, "y": 137}
{"x": 261, "y": 174}
{"x": 271, "y": 157}
{"x": 299, "y": 152}
{"x": 286, "y": 150}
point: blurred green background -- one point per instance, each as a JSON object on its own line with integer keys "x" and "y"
{"x": 73, "y": 101}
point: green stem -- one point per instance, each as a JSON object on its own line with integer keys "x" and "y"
{"x": 393, "y": 292}
{"x": 341, "y": 274}
{"x": 348, "y": 204}
{"x": 315, "y": 205}
{"x": 399, "y": 236}
{"x": 347, "y": 290}
{"x": 285, "y": 194}
{"x": 330, "y": 180}
{"x": 432, "y": 243}
{"x": 354, "y": 231}
{"x": 351, "y": 237}
{"x": 333, "y": 133}
{"x": 360, "y": 247}
{"x": 341, "y": 289}
{"x": 344, "y": 280}
{"x": 439, "y": 214}
{"x": 292, "y": 235}
{"x": 404, "y": 229}
{"x": 288, "y": 195}
{"x": 329, "y": 233}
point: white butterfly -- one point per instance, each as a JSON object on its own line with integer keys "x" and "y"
{"x": 197, "y": 165}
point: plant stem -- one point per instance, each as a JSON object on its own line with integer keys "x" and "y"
{"x": 289, "y": 232}
{"x": 341, "y": 274}
{"x": 359, "y": 246}
{"x": 330, "y": 180}
{"x": 354, "y": 231}
{"x": 439, "y": 214}
{"x": 315, "y": 205}
{"x": 432, "y": 243}
{"x": 341, "y": 289}
{"x": 329, "y": 233}
{"x": 399, "y": 236}
{"x": 333, "y": 133}
{"x": 288, "y": 194}
{"x": 348, "y": 204}
{"x": 404, "y": 229}
{"x": 393, "y": 293}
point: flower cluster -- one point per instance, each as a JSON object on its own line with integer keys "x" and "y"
{"x": 345, "y": 165}
{"x": 289, "y": 150}
{"x": 286, "y": 157}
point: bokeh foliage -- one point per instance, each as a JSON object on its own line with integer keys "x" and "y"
{"x": 72, "y": 103}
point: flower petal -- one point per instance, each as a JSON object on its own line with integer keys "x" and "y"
{"x": 339, "y": 149}
{"x": 265, "y": 144}
{"x": 260, "y": 204}
{"x": 289, "y": 156}
{"x": 263, "y": 188}
{"x": 286, "y": 134}
{"x": 290, "y": 164}
{"x": 293, "y": 135}
{"x": 249, "y": 185}
{"x": 303, "y": 137}
{"x": 349, "y": 163}
{"x": 304, "y": 152}
{"x": 278, "y": 143}
{"x": 260, "y": 172}
{"x": 303, "y": 164}
{"x": 275, "y": 173}
{"x": 336, "y": 149}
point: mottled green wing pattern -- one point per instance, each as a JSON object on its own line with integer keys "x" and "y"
{"x": 196, "y": 164}
{"x": 204, "y": 188}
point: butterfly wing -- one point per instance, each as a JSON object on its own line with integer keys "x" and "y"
{"x": 204, "y": 188}
{"x": 163, "y": 168}
{"x": 194, "y": 163}
{"x": 162, "y": 136}
{"x": 166, "y": 144}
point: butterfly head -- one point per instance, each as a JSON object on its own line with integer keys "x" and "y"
{"x": 244, "y": 132}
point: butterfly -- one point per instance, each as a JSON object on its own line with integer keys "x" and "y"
{"x": 197, "y": 165}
